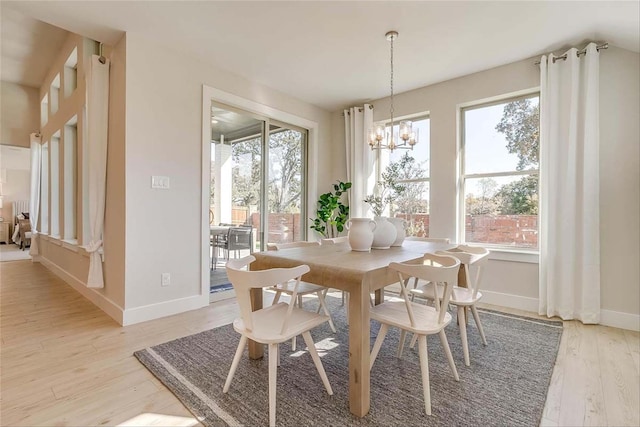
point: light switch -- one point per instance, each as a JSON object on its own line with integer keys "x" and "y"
{"x": 161, "y": 182}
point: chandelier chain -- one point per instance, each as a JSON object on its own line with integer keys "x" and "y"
{"x": 391, "y": 108}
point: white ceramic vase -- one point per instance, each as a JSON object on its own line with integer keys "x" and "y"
{"x": 400, "y": 225}
{"x": 384, "y": 234}
{"x": 361, "y": 233}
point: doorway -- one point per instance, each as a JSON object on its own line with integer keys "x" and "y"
{"x": 257, "y": 187}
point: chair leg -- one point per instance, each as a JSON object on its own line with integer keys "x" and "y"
{"x": 424, "y": 368}
{"x": 273, "y": 371}
{"x": 462, "y": 324}
{"x": 447, "y": 351}
{"x": 316, "y": 360}
{"x": 376, "y": 346}
{"x": 476, "y": 317}
{"x": 403, "y": 336}
{"x": 326, "y": 310}
{"x": 294, "y": 339}
{"x": 276, "y": 298}
{"x": 342, "y": 298}
{"x": 413, "y": 341}
{"x": 234, "y": 364}
{"x": 324, "y": 294}
{"x": 278, "y": 354}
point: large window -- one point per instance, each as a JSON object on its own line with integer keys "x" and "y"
{"x": 44, "y": 189}
{"x": 409, "y": 170}
{"x": 499, "y": 173}
{"x": 54, "y": 164}
{"x": 69, "y": 179}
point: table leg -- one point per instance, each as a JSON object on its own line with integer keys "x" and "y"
{"x": 256, "y": 350}
{"x": 359, "y": 330}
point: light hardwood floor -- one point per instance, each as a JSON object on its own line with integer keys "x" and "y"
{"x": 65, "y": 362}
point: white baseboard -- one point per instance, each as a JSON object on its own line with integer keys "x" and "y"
{"x": 102, "y": 302}
{"x": 510, "y": 300}
{"x": 618, "y": 319}
{"x": 163, "y": 309}
{"x": 615, "y": 319}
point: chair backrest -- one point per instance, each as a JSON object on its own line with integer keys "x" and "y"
{"x": 434, "y": 268}
{"x": 239, "y": 238}
{"x": 243, "y": 281}
{"x": 429, "y": 239}
{"x": 278, "y": 246}
{"x": 335, "y": 240}
{"x": 470, "y": 256}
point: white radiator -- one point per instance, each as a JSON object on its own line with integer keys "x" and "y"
{"x": 19, "y": 206}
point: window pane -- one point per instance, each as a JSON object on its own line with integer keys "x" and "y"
{"x": 413, "y": 206}
{"x": 420, "y": 152}
{"x": 55, "y": 186}
{"x": 44, "y": 189}
{"x": 502, "y": 137}
{"x": 246, "y": 179}
{"x": 70, "y": 181}
{"x": 286, "y": 147}
{"x": 502, "y": 210}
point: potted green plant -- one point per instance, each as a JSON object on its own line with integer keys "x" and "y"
{"x": 332, "y": 214}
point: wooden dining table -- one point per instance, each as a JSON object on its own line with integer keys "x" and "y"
{"x": 359, "y": 273}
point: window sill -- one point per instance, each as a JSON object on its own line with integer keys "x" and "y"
{"x": 56, "y": 240}
{"x": 514, "y": 255}
{"x": 70, "y": 244}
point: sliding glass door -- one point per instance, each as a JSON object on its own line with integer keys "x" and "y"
{"x": 286, "y": 189}
{"x": 258, "y": 169}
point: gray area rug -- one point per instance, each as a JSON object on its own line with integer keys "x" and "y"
{"x": 506, "y": 384}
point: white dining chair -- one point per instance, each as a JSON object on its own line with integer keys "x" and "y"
{"x": 271, "y": 325}
{"x": 462, "y": 297}
{"x": 419, "y": 319}
{"x": 304, "y": 289}
{"x": 429, "y": 240}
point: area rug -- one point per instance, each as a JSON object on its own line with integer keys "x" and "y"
{"x": 506, "y": 383}
{"x": 12, "y": 252}
{"x": 220, "y": 288}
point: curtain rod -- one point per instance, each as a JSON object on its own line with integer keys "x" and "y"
{"x": 579, "y": 53}
{"x": 359, "y": 109}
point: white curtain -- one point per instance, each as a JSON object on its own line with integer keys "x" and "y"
{"x": 34, "y": 195}
{"x": 97, "y": 126}
{"x": 569, "y": 187}
{"x": 360, "y": 170}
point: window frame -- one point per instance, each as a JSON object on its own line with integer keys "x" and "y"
{"x": 424, "y": 115}
{"x": 462, "y": 177}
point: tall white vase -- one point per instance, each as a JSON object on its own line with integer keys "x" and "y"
{"x": 361, "y": 233}
{"x": 400, "y": 225}
{"x": 384, "y": 234}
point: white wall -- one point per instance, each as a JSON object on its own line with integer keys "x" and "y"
{"x": 620, "y": 181}
{"x": 15, "y": 166}
{"x": 515, "y": 283}
{"x": 19, "y": 113}
{"x": 164, "y": 137}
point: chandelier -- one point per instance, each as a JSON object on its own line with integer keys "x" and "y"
{"x": 406, "y": 137}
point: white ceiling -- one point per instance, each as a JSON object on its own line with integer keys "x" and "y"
{"x": 333, "y": 54}
{"x": 28, "y": 47}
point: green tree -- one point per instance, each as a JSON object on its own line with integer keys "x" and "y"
{"x": 520, "y": 124}
{"x": 285, "y": 169}
{"x": 485, "y": 203}
{"x": 519, "y": 197}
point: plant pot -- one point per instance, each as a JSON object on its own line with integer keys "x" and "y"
{"x": 384, "y": 235}
{"x": 361, "y": 233}
{"x": 400, "y": 225}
